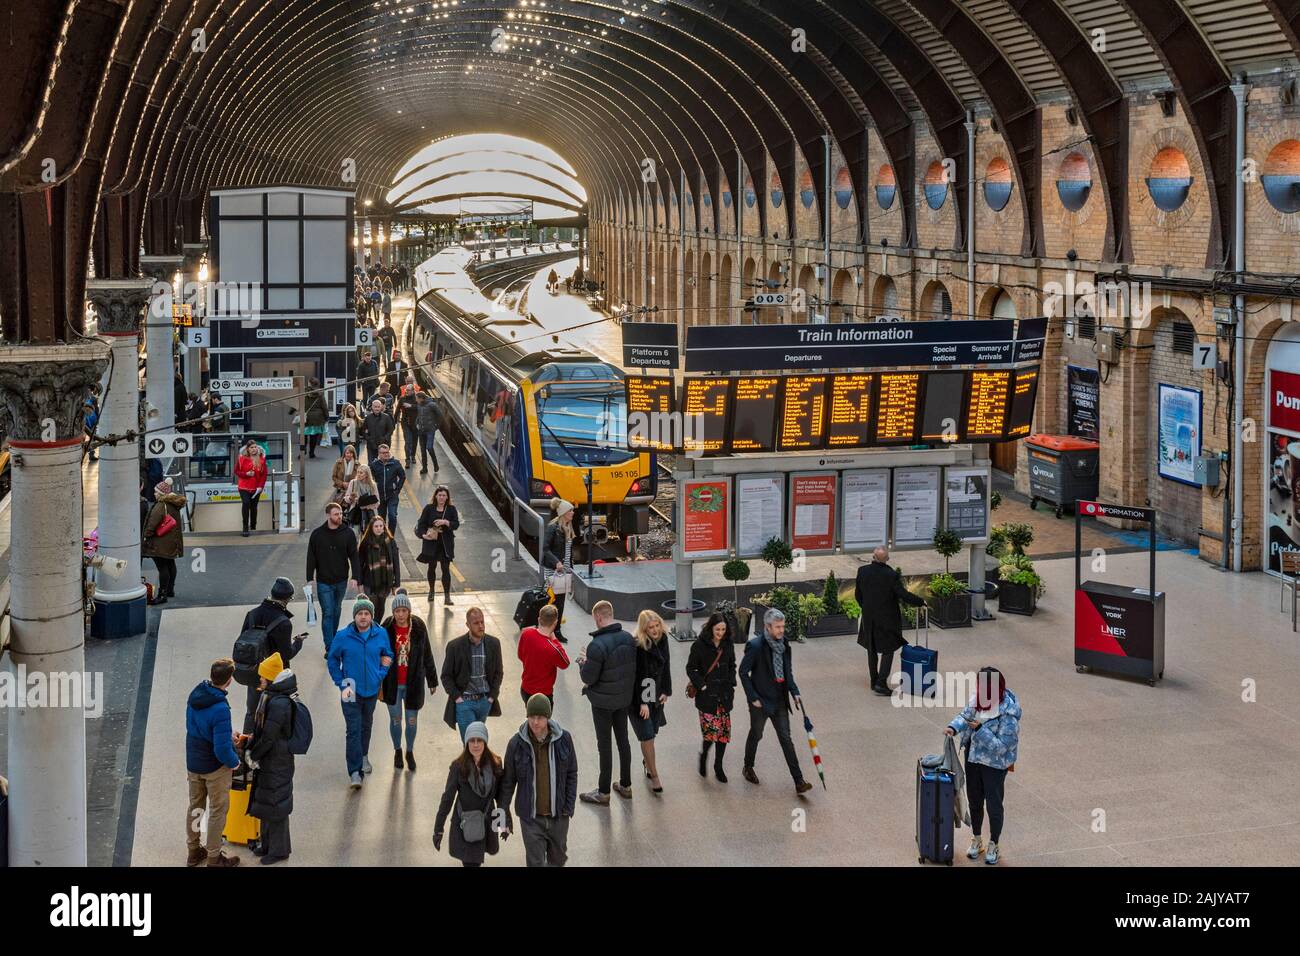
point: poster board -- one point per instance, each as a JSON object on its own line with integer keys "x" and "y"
{"x": 1180, "y": 433}
{"x": 864, "y": 509}
{"x": 704, "y": 516}
{"x": 760, "y": 512}
{"x": 1083, "y": 401}
{"x": 915, "y": 505}
{"x": 966, "y": 502}
{"x": 813, "y": 505}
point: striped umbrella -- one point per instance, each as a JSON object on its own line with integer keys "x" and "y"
{"x": 812, "y": 744}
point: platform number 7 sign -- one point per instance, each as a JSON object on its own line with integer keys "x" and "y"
{"x": 1204, "y": 355}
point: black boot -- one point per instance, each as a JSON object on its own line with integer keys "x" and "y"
{"x": 397, "y": 759}
{"x": 446, "y": 596}
{"x": 717, "y": 762}
{"x": 704, "y": 759}
{"x": 410, "y": 760}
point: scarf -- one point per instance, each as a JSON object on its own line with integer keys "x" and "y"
{"x": 379, "y": 565}
{"x": 483, "y": 781}
{"x": 349, "y": 466}
{"x": 778, "y": 658}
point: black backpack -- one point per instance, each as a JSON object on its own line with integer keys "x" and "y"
{"x": 251, "y": 648}
{"x": 300, "y": 733}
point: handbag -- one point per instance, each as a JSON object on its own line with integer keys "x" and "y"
{"x": 690, "y": 688}
{"x": 561, "y": 582}
{"x": 473, "y": 826}
{"x": 167, "y": 524}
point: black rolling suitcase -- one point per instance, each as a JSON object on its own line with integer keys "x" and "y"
{"x": 936, "y": 796}
{"x": 530, "y": 602}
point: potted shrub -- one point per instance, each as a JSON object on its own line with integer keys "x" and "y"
{"x": 778, "y": 554}
{"x": 1019, "y": 586}
{"x": 800, "y": 610}
{"x": 833, "y": 620}
{"x": 735, "y": 571}
{"x": 950, "y": 599}
{"x": 1018, "y": 536}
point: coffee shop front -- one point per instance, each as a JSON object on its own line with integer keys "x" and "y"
{"x": 1282, "y": 449}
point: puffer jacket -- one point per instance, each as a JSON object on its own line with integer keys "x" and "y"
{"x": 426, "y": 414}
{"x": 272, "y": 794}
{"x": 207, "y": 730}
{"x": 171, "y": 544}
{"x": 609, "y": 671}
{"x": 356, "y": 656}
{"x": 996, "y": 742}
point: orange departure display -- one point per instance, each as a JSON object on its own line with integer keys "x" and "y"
{"x": 754, "y": 405}
{"x": 986, "y": 415}
{"x": 850, "y": 411}
{"x": 1023, "y": 393}
{"x": 652, "y": 423}
{"x": 803, "y": 413}
{"x": 705, "y": 407}
{"x": 896, "y": 408}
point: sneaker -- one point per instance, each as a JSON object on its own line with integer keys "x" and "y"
{"x": 976, "y": 848}
{"x": 622, "y": 791}
{"x": 991, "y": 857}
{"x": 222, "y": 860}
{"x": 356, "y": 781}
{"x": 196, "y": 856}
{"x": 596, "y": 797}
{"x": 365, "y": 765}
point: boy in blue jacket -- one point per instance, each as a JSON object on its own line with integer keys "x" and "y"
{"x": 359, "y": 657}
{"x": 210, "y": 760}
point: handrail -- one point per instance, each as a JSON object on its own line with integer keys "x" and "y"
{"x": 275, "y": 511}
{"x": 517, "y": 505}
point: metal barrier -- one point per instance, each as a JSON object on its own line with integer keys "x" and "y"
{"x": 518, "y": 507}
{"x": 275, "y": 508}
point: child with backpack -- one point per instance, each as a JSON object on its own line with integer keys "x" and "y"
{"x": 281, "y": 729}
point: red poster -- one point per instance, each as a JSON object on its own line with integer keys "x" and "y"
{"x": 812, "y": 511}
{"x": 706, "y": 505}
{"x": 1283, "y": 401}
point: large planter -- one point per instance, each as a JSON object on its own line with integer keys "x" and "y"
{"x": 950, "y": 611}
{"x": 833, "y": 625}
{"x": 1017, "y": 598}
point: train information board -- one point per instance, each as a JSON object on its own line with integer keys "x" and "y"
{"x": 652, "y": 422}
{"x": 986, "y": 411}
{"x": 755, "y": 404}
{"x": 803, "y": 413}
{"x": 1023, "y": 393}
{"x": 849, "y": 422}
{"x": 705, "y": 406}
{"x": 941, "y": 411}
{"x": 896, "y": 408}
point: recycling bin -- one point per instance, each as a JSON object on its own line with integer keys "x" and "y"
{"x": 1062, "y": 470}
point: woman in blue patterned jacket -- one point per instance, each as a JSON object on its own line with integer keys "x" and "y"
{"x": 989, "y": 729}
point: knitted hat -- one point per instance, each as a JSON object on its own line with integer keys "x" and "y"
{"x": 563, "y": 508}
{"x": 539, "y": 706}
{"x": 477, "y": 729}
{"x": 270, "y": 668}
{"x": 362, "y": 604}
{"x": 282, "y": 590}
{"x": 401, "y": 599}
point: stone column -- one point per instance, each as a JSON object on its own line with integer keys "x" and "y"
{"x": 120, "y": 602}
{"x": 43, "y": 390}
{"x": 160, "y": 372}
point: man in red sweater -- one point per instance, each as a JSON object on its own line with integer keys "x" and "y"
{"x": 542, "y": 655}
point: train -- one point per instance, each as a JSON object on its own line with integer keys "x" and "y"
{"x": 543, "y": 419}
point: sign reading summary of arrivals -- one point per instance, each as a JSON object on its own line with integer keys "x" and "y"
{"x": 722, "y": 348}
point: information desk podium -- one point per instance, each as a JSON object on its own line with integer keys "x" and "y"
{"x": 1118, "y": 629}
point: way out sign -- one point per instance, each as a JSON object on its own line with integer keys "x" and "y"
{"x": 168, "y": 445}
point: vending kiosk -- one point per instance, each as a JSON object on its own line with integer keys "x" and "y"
{"x": 1118, "y": 629}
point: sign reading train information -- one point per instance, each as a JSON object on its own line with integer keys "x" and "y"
{"x": 721, "y": 348}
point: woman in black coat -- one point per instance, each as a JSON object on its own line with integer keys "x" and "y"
{"x": 650, "y": 692}
{"x": 711, "y": 670}
{"x": 381, "y": 568}
{"x": 412, "y": 670}
{"x": 437, "y": 528}
{"x": 473, "y": 784}
{"x": 271, "y": 799}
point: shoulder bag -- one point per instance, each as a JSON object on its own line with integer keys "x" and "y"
{"x": 690, "y": 688}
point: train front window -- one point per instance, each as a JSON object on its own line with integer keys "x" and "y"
{"x": 583, "y": 425}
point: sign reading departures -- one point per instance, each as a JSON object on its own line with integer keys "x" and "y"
{"x": 724, "y": 415}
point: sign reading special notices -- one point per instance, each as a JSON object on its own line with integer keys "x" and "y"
{"x": 649, "y": 345}
{"x": 705, "y": 517}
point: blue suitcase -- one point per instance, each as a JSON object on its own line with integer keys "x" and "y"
{"x": 920, "y": 663}
{"x": 935, "y": 814}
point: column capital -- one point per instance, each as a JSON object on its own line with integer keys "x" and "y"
{"x": 43, "y": 389}
{"x": 161, "y": 268}
{"x": 120, "y": 304}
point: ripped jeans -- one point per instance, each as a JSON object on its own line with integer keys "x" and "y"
{"x": 395, "y": 710}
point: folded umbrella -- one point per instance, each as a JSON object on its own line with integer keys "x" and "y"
{"x": 812, "y": 744}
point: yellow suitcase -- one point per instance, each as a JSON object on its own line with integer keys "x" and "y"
{"x": 240, "y": 827}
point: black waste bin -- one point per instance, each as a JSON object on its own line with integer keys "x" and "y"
{"x": 1062, "y": 470}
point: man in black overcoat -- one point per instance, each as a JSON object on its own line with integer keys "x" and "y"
{"x": 878, "y": 590}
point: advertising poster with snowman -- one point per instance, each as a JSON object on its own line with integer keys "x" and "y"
{"x": 1180, "y": 433}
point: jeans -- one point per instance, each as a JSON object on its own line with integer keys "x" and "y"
{"x": 388, "y": 511}
{"x": 546, "y": 840}
{"x": 331, "y": 606}
{"x": 985, "y": 785}
{"x": 616, "y": 721}
{"x": 395, "y": 720}
{"x": 358, "y": 717}
{"x": 248, "y": 508}
{"x": 468, "y": 711}
{"x": 210, "y": 793}
{"x": 781, "y": 721}
{"x": 427, "y": 449}
{"x": 409, "y": 441}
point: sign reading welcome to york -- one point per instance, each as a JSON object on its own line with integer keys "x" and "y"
{"x": 718, "y": 348}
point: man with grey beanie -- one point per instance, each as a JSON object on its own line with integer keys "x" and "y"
{"x": 273, "y": 617}
{"x": 542, "y": 764}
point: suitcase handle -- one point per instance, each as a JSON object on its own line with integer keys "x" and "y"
{"x": 923, "y": 612}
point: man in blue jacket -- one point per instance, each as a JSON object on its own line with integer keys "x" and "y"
{"x": 210, "y": 760}
{"x": 767, "y": 675}
{"x": 359, "y": 657}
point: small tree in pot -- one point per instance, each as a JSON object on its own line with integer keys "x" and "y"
{"x": 736, "y": 571}
{"x": 1020, "y": 586}
{"x": 951, "y": 599}
{"x": 778, "y": 554}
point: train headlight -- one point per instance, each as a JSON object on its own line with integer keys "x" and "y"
{"x": 543, "y": 488}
